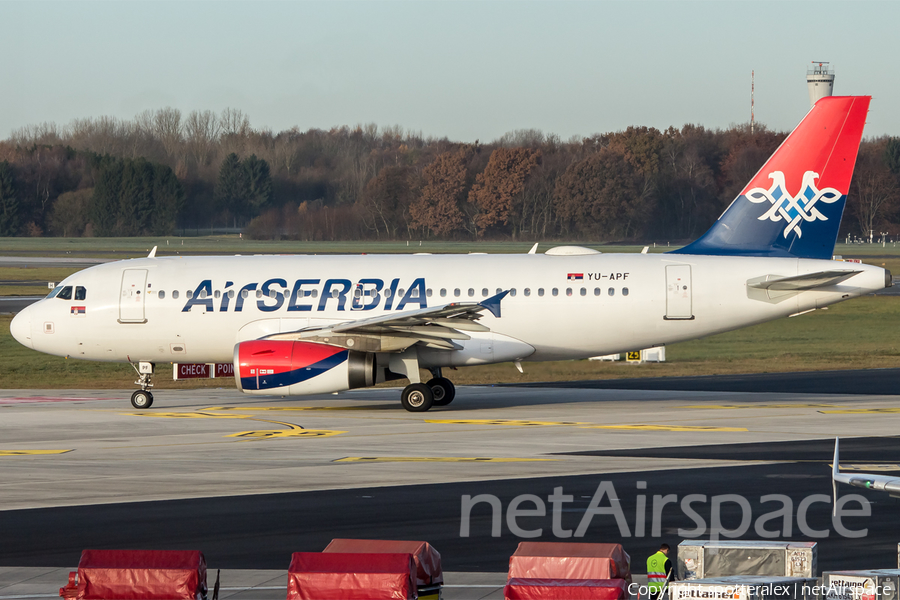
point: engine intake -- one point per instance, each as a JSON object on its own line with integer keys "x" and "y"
{"x": 300, "y": 368}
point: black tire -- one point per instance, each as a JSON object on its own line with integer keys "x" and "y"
{"x": 417, "y": 397}
{"x": 142, "y": 400}
{"x": 443, "y": 391}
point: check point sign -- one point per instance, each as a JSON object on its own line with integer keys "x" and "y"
{"x": 202, "y": 370}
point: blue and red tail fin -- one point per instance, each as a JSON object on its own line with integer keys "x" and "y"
{"x": 793, "y": 205}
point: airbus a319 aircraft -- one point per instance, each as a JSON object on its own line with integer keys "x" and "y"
{"x": 297, "y": 325}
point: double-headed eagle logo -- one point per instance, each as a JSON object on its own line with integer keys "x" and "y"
{"x": 793, "y": 209}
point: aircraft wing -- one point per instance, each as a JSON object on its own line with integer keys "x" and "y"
{"x": 881, "y": 483}
{"x": 808, "y": 281}
{"x": 434, "y": 327}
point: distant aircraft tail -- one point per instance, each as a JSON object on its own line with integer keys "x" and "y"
{"x": 793, "y": 206}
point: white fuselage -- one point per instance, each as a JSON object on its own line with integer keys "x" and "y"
{"x": 622, "y": 302}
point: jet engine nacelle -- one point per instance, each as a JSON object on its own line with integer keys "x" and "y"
{"x": 300, "y": 368}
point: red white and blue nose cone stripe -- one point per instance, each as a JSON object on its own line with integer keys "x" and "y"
{"x": 793, "y": 205}
{"x": 269, "y": 365}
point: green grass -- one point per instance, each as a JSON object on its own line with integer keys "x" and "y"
{"x": 858, "y": 334}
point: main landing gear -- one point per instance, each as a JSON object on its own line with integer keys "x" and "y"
{"x": 142, "y": 398}
{"x": 419, "y": 397}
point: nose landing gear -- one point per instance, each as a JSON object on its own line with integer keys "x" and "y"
{"x": 142, "y": 398}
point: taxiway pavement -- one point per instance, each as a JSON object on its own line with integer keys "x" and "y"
{"x": 249, "y": 480}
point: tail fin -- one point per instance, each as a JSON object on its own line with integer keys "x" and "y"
{"x": 793, "y": 205}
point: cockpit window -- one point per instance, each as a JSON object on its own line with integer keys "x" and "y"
{"x": 65, "y": 293}
{"x": 80, "y": 293}
{"x": 54, "y": 292}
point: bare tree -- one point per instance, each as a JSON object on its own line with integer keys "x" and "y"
{"x": 201, "y": 131}
{"x": 167, "y": 127}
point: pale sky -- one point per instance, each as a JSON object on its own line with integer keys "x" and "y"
{"x": 465, "y": 70}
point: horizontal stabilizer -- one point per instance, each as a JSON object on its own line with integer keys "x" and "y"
{"x": 799, "y": 283}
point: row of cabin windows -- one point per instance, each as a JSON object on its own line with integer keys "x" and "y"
{"x": 401, "y": 292}
{"x": 65, "y": 293}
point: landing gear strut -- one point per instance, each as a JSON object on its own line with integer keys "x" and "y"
{"x": 142, "y": 398}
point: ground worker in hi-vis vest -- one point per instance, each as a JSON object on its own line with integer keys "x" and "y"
{"x": 659, "y": 569}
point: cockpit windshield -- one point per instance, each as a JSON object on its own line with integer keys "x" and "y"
{"x": 54, "y": 292}
{"x": 65, "y": 293}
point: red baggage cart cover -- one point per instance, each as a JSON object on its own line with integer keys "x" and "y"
{"x": 140, "y": 575}
{"x": 351, "y": 576}
{"x": 428, "y": 560}
{"x": 565, "y": 589}
{"x": 569, "y": 560}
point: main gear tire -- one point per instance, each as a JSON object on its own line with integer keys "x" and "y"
{"x": 443, "y": 391}
{"x": 417, "y": 397}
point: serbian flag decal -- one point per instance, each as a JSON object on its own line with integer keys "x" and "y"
{"x": 77, "y": 311}
{"x": 576, "y": 276}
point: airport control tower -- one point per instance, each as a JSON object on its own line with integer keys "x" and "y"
{"x": 819, "y": 80}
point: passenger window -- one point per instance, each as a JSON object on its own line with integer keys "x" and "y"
{"x": 414, "y": 293}
{"x": 189, "y": 294}
{"x": 568, "y": 291}
{"x": 443, "y": 292}
{"x": 583, "y": 292}
{"x": 555, "y": 292}
{"x": 428, "y": 292}
{"x": 259, "y": 293}
{"x": 499, "y": 290}
{"x": 484, "y": 292}
{"x": 65, "y": 293}
{"x": 596, "y": 291}
{"x": 80, "y": 293}
{"x": 315, "y": 294}
{"x": 231, "y": 293}
{"x": 471, "y": 292}
{"x": 527, "y": 291}
{"x": 512, "y": 292}
{"x": 245, "y": 293}
{"x": 387, "y": 293}
{"x": 334, "y": 294}
{"x": 611, "y": 292}
{"x": 540, "y": 291}
{"x": 203, "y": 293}
{"x": 456, "y": 292}
{"x": 218, "y": 294}
{"x": 174, "y": 294}
{"x": 357, "y": 292}
{"x": 624, "y": 291}
{"x": 162, "y": 294}
{"x": 401, "y": 292}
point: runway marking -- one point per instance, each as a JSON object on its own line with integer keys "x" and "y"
{"x": 292, "y": 408}
{"x": 696, "y": 428}
{"x": 440, "y": 459}
{"x": 739, "y": 406}
{"x": 186, "y": 415}
{"x": 32, "y": 452}
{"x": 291, "y": 430}
{"x": 34, "y": 399}
{"x": 271, "y": 434}
{"x": 861, "y": 411}
{"x": 513, "y": 422}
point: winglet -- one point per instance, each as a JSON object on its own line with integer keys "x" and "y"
{"x": 152, "y": 253}
{"x": 834, "y": 473}
{"x": 493, "y": 303}
{"x": 534, "y": 248}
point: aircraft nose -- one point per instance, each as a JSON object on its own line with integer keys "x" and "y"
{"x": 20, "y": 327}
